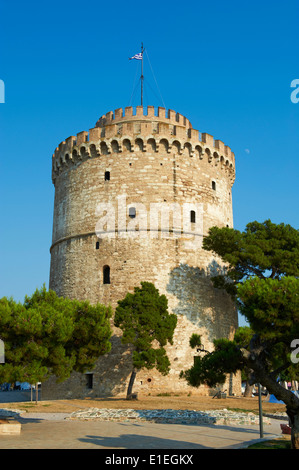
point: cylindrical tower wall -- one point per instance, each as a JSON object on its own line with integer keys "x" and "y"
{"x": 151, "y": 164}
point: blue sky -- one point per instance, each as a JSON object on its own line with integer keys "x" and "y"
{"x": 227, "y": 66}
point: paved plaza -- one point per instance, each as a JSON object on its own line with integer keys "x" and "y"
{"x": 53, "y": 431}
{"x": 58, "y": 431}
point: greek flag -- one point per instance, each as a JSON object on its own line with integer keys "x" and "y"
{"x": 136, "y": 56}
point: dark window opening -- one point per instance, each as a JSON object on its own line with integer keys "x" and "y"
{"x": 192, "y": 217}
{"x": 89, "y": 381}
{"x": 106, "y": 275}
{"x": 132, "y": 212}
{"x": 104, "y": 148}
{"x": 97, "y": 245}
{"x": 107, "y": 175}
{"x": 214, "y": 185}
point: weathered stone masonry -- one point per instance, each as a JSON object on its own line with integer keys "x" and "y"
{"x": 147, "y": 157}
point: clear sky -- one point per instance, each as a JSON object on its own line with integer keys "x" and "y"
{"x": 226, "y": 65}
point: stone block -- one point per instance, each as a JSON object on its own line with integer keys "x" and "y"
{"x": 8, "y": 426}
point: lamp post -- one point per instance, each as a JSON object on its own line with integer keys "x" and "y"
{"x": 2, "y": 350}
{"x": 260, "y": 411}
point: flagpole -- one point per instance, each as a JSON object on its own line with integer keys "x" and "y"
{"x": 142, "y": 73}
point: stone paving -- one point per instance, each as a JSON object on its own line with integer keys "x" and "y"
{"x": 216, "y": 417}
{"x": 40, "y": 432}
{"x": 137, "y": 429}
{"x": 94, "y": 428}
{"x": 223, "y": 416}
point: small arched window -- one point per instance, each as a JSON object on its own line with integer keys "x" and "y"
{"x": 97, "y": 245}
{"x": 132, "y": 212}
{"x": 192, "y": 217}
{"x": 214, "y": 185}
{"x": 107, "y": 175}
{"x": 106, "y": 275}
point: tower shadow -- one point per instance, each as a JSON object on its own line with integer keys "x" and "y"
{"x": 200, "y": 302}
{"x": 137, "y": 441}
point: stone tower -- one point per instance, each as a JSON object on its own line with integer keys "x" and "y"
{"x": 133, "y": 198}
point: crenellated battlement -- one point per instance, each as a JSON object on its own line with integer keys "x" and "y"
{"x": 150, "y": 113}
{"x": 142, "y": 129}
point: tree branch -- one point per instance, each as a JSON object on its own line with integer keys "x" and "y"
{"x": 268, "y": 381}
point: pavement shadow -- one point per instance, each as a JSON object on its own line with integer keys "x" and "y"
{"x": 243, "y": 436}
{"x": 137, "y": 441}
{"x": 23, "y": 420}
{"x": 11, "y": 415}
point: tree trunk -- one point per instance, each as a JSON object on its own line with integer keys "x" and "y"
{"x": 248, "y": 389}
{"x": 294, "y": 423}
{"x": 131, "y": 383}
{"x": 273, "y": 387}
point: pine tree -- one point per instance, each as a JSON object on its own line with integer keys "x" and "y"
{"x": 262, "y": 277}
{"x": 50, "y": 335}
{"x": 144, "y": 319}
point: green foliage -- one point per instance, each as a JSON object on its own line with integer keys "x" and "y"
{"x": 211, "y": 369}
{"x": 263, "y": 250}
{"x": 243, "y": 336}
{"x": 146, "y": 324}
{"x": 271, "y": 306}
{"x": 51, "y": 335}
{"x": 280, "y": 443}
{"x": 262, "y": 275}
{"x": 195, "y": 341}
{"x": 262, "y": 270}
